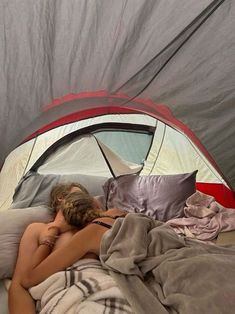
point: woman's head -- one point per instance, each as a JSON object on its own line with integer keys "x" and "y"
{"x": 60, "y": 191}
{"x": 79, "y": 209}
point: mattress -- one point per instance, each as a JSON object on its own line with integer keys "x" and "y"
{"x": 3, "y": 298}
{"x": 226, "y": 238}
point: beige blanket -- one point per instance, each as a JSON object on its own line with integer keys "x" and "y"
{"x": 160, "y": 272}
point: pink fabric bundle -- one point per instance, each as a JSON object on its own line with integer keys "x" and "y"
{"x": 204, "y": 218}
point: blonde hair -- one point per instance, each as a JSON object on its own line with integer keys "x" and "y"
{"x": 60, "y": 191}
{"x": 79, "y": 209}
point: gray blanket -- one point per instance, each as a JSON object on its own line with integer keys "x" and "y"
{"x": 160, "y": 272}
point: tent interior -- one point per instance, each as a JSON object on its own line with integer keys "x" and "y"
{"x": 112, "y": 145}
{"x": 107, "y": 91}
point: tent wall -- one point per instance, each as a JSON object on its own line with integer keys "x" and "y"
{"x": 171, "y": 152}
{"x": 180, "y": 55}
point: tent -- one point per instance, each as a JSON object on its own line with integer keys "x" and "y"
{"x": 161, "y": 70}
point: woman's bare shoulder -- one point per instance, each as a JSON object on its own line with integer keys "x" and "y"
{"x": 116, "y": 212}
{"x": 35, "y": 227}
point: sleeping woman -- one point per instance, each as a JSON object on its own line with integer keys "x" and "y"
{"x": 75, "y": 233}
{"x": 34, "y": 234}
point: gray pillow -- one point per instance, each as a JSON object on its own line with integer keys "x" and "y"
{"x": 162, "y": 197}
{"x": 13, "y": 223}
{"x": 34, "y": 189}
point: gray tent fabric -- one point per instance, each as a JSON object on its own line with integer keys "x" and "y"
{"x": 179, "y": 53}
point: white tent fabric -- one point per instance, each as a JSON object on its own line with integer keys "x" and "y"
{"x": 83, "y": 156}
{"x": 170, "y": 153}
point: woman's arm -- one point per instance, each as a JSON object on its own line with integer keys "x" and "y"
{"x": 46, "y": 242}
{"x": 19, "y": 299}
{"x": 30, "y": 251}
{"x": 84, "y": 241}
{"x": 30, "y": 254}
{"x": 48, "y": 238}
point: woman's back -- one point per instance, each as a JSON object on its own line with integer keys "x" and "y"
{"x": 109, "y": 217}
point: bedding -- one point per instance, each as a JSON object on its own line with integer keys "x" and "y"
{"x": 204, "y": 218}
{"x": 160, "y": 272}
{"x": 160, "y": 196}
{"x": 226, "y": 238}
{"x": 3, "y": 298}
{"x": 154, "y": 270}
{"x": 86, "y": 287}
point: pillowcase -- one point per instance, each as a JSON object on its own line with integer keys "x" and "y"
{"x": 162, "y": 197}
{"x": 34, "y": 189}
{"x": 13, "y": 224}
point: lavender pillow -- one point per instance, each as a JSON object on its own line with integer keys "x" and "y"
{"x": 162, "y": 197}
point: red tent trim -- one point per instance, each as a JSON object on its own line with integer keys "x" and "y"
{"x": 222, "y": 194}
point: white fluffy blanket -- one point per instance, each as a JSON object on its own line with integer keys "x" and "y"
{"x": 86, "y": 287}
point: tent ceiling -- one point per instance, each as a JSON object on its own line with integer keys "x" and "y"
{"x": 180, "y": 55}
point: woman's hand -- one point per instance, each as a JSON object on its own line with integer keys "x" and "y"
{"x": 60, "y": 223}
{"x": 52, "y": 230}
{"x": 49, "y": 233}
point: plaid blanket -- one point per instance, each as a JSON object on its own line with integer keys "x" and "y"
{"x": 86, "y": 287}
